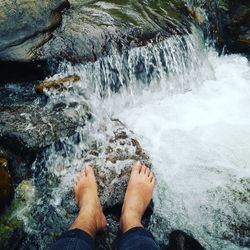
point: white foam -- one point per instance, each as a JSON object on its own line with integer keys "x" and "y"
{"x": 199, "y": 144}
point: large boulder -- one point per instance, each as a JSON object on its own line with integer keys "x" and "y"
{"x": 26, "y": 25}
{"x": 89, "y": 30}
{"x": 92, "y": 29}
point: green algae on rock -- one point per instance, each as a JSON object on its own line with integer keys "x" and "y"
{"x": 12, "y": 220}
{"x": 114, "y": 25}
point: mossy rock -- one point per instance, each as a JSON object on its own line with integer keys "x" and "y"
{"x": 11, "y": 232}
{"x": 11, "y": 222}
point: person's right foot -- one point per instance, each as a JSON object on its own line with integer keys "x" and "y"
{"x": 137, "y": 198}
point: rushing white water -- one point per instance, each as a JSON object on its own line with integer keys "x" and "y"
{"x": 189, "y": 107}
{"x": 199, "y": 144}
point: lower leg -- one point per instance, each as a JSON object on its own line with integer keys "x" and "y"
{"x": 90, "y": 218}
{"x": 137, "y": 198}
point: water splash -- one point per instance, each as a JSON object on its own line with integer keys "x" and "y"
{"x": 189, "y": 108}
{"x": 199, "y": 145}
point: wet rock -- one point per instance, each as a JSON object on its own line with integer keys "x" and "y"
{"x": 238, "y": 38}
{"x": 228, "y": 24}
{"x": 111, "y": 156}
{"x": 57, "y": 84}
{"x": 112, "y": 164}
{"x": 179, "y": 240}
{"x": 28, "y": 123}
{"x": 18, "y": 166}
{"x": 112, "y": 25}
{"x": 25, "y": 25}
{"x": 6, "y": 188}
{"x": 12, "y": 221}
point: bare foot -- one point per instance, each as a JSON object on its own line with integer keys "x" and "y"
{"x": 91, "y": 218}
{"x": 137, "y": 198}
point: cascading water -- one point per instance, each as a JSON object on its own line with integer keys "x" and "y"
{"x": 189, "y": 107}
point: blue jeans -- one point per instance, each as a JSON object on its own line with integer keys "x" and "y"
{"x": 136, "y": 238}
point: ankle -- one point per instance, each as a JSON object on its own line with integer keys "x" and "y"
{"x": 129, "y": 220}
{"x": 86, "y": 224}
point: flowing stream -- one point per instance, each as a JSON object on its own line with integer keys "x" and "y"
{"x": 190, "y": 109}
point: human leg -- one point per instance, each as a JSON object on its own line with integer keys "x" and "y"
{"x": 137, "y": 198}
{"x": 90, "y": 219}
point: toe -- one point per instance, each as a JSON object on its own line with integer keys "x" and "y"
{"x": 151, "y": 176}
{"x": 82, "y": 173}
{"x": 136, "y": 167}
{"x": 153, "y": 180}
{"x": 77, "y": 178}
{"x": 147, "y": 172}
{"x": 143, "y": 169}
{"x": 89, "y": 171}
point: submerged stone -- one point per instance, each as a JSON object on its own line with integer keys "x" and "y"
{"x": 180, "y": 240}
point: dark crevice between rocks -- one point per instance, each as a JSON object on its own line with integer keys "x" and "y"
{"x": 179, "y": 240}
{"x": 13, "y": 72}
{"x": 230, "y": 26}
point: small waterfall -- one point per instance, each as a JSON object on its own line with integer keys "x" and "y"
{"x": 190, "y": 113}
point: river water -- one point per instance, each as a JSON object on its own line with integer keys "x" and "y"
{"x": 190, "y": 109}
{"x": 199, "y": 144}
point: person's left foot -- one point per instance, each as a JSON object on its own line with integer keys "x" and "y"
{"x": 91, "y": 218}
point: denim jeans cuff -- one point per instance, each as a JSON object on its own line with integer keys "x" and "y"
{"x": 79, "y": 234}
{"x": 140, "y": 231}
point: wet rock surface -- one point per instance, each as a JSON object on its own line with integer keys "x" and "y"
{"x": 28, "y": 124}
{"x": 236, "y": 26}
{"x": 25, "y": 25}
{"x": 179, "y": 240}
{"x": 112, "y": 25}
{"x": 52, "y": 207}
{"x": 12, "y": 231}
{"x": 227, "y": 22}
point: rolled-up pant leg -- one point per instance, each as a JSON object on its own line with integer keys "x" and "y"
{"x": 136, "y": 239}
{"x": 75, "y": 239}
